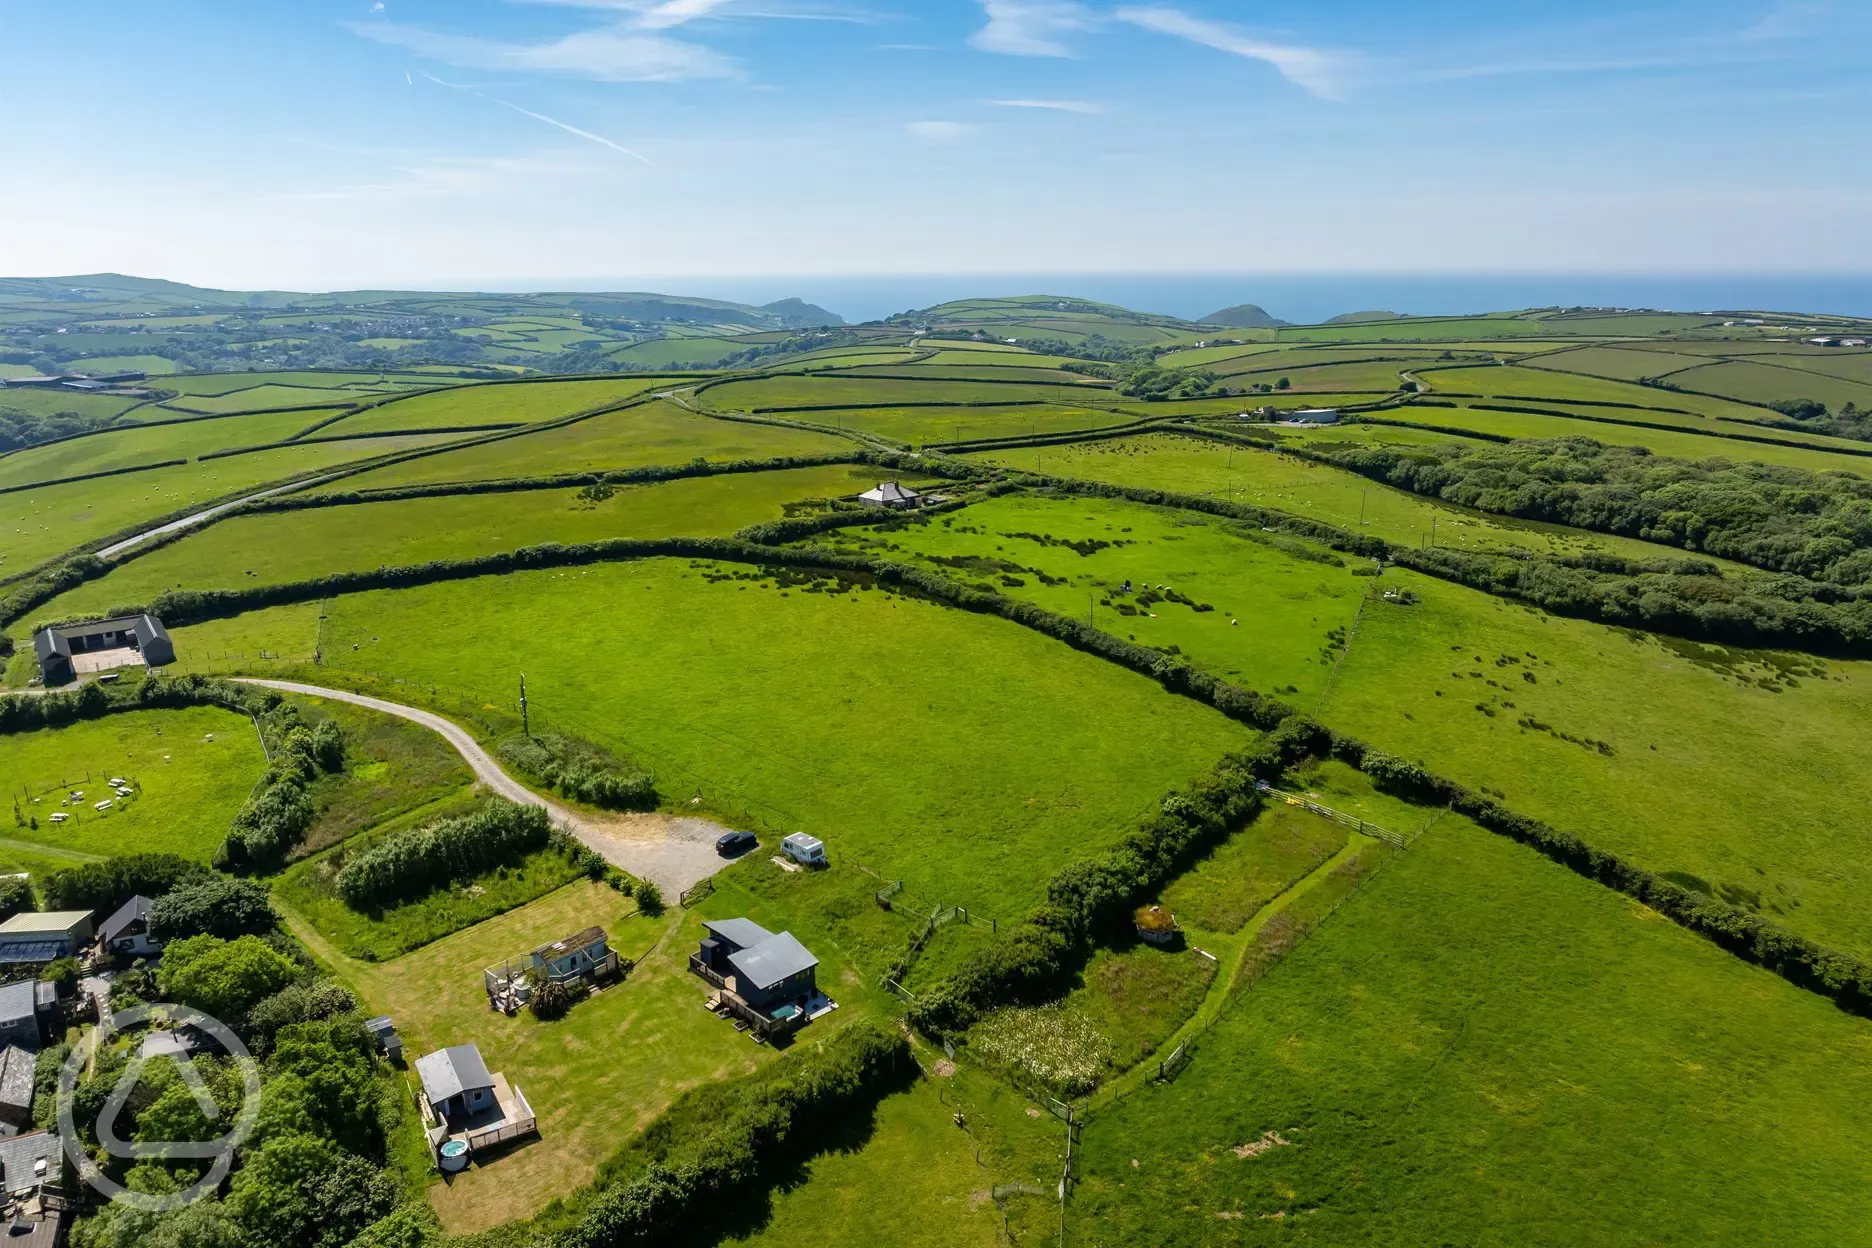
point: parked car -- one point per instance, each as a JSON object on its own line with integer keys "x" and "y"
{"x": 734, "y": 844}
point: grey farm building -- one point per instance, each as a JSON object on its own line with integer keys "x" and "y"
{"x": 66, "y": 653}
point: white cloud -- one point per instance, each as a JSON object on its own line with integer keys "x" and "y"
{"x": 938, "y": 131}
{"x": 1310, "y": 68}
{"x": 1027, "y": 28}
{"x": 1058, "y": 106}
{"x": 610, "y": 54}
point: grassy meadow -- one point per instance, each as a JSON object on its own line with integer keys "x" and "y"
{"x": 518, "y": 403}
{"x": 191, "y": 771}
{"x": 133, "y": 445}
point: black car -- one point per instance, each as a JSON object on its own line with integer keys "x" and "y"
{"x": 736, "y": 843}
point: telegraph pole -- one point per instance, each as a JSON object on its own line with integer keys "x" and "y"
{"x": 526, "y": 722}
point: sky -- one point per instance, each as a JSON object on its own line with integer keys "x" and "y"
{"x": 330, "y": 144}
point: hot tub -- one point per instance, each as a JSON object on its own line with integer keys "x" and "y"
{"x": 454, "y": 1156}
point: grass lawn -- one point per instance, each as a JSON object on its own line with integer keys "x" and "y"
{"x": 1473, "y": 1051}
{"x": 766, "y": 701}
{"x": 655, "y": 433}
{"x": 311, "y": 889}
{"x": 1253, "y": 867}
{"x": 291, "y": 546}
{"x": 192, "y": 770}
{"x": 511, "y": 403}
{"x": 595, "y": 1077}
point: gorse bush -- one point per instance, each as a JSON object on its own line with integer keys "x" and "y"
{"x": 581, "y": 771}
{"x": 410, "y": 864}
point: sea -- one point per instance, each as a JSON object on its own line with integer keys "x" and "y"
{"x": 1299, "y": 298}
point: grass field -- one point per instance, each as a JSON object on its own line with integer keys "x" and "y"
{"x": 918, "y": 426}
{"x": 757, "y": 696}
{"x": 1516, "y": 380}
{"x": 1618, "y": 363}
{"x": 392, "y": 767}
{"x": 654, "y": 433}
{"x": 191, "y": 769}
{"x": 48, "y": 402}
{"x": 1472, "y": 1050}
{"x": 521, "y": 403}
{"x": 263, "y": 398}
{"x": 135, "y": 444}
{"x": 38, "y": 524}
{"x": 809, "y": 391}
{"x": 1767, "y": 382}
{"x": 306, "y": 544}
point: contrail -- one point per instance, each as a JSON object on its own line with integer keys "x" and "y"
{"x": 542, "y": 117}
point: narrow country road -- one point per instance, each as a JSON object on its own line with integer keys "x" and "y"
{"x": 674, "y": 851}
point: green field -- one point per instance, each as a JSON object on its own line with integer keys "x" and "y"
{"x": 1769, "y": 382}
{"x": 263, "y": 398}
{"x": 133, "y": 445}
{"x": 782, "y": 393}
{"x": 520, "y": 403}
{"x": 191, "y": 770}
{"x": 1514, "y": 381}
{"x": 757, "y": 697}
{"x": 1472, "y": 1050}
{"x": 655, "y": 433}
{"x": 306, "y": 544}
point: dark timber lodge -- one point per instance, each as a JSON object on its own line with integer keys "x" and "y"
{"x": 70, "y": 652}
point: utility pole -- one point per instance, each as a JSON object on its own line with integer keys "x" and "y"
{"x": 1361, "y": 507}
{"x": 526, "y": 722}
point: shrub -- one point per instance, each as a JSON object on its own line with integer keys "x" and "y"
{"x": 550, "y": 1000}
{"x": 104, "y": 886}
{"x": 225, "y": 978}
{"x": 62, "y": 975}
{"x": 16, "y": 897}
{"x": 413, "y": 863}
{"x": 649, "y": 898}
{"x": 306, "y": 1001}
{"x": 580, "y": 771}
{"x": 215, "y": 905}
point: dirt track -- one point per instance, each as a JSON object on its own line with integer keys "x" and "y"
{"x": 673, "y": 851}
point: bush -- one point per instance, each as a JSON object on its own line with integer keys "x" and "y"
{"x": 62, "y": 975}
{"x": 410, "y": 864}
{"x": 225, "y": 978}
{"x": 649, "y": 898}
{"x": 105, "y": 886}
{"x": 580, "y": 771}
{"x": 307, "y": 1001}
{"x": 215, "y": 905}
{"x": 16, "y": 897}
{"x": 550, "y": 1000}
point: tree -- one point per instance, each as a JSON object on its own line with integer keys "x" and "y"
{"x": 1284, "y": 384}
{"x": 299, "y": 1191}
{"x": 225, "y": 978}
{"x": 550, "y": 1000}
{"x": 16, "y": 897}
{"x": 214, "y": 905}
{"x": 104, "y": 886}
{"x": 649, "y": 898}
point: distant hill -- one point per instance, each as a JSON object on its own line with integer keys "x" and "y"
{"x": 1360, "y": 318}
{"x": 1244, "y": 316}
{"x": 798, "y": 314}
{"x": 1047, "y": 317}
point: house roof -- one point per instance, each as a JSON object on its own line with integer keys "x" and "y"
{"x": 742, "y": 933}
{"x": 20, "y": 1157}
{"x": 379, "y": 1025}
{"x": 771, "y": 961}
{"x": 449, "y": 1072}
{"x": 136, "y": 910}
{"x": 581, "y": 940}
{"x": 891, "y": 492}
{"x": 16, "y": 1077}
{"x": 43, "y": 924}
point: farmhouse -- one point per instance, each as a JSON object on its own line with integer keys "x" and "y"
{"x": 891, "y": 494}
{"x": 35, "y": 937}
{"x": 69, "y": 652}
{"x": 769, "y": 982}
{"x": 126, "y": 932}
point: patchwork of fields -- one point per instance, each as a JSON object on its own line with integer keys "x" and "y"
{"x": 1378, "y": 1020}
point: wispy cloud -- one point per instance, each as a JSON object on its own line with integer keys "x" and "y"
{"x": 1057, "y": 106}
{"x": 1317, "y": 71}
{"x": 938, "y": 131}
{"x": 1031, "y": 27}
{"x": 587, "y": 135}
{"x": 610, "y": 54}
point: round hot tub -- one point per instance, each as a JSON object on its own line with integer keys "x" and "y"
{"x": 455, "y": 1156}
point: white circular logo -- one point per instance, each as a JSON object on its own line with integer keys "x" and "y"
{"x": 220, "y": 1152}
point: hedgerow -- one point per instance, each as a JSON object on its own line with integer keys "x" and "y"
{"x": 409, "y": 864}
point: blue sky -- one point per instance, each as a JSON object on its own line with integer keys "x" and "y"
{"x": 321, "y": 144}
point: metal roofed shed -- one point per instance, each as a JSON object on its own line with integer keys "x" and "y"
{"x": 383, "y": 1034}
{"x": 455, "y": 1080}
{"x": 39, "y": 937}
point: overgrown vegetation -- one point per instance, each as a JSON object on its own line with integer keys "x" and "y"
{"x": 580, "y": 770}
{"x": 408, "y": 864}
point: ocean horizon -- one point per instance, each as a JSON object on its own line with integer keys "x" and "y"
{"x": 1300, "y": 298}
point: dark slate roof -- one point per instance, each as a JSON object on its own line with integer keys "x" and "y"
{"x": 449, "y": 1072}
{"x": 19, "y": 1158}
{"x": 133, "y": 911}
{"x": 742, "y": 933}
{"x": 771, "y": 961}
{"x": 16, "y": 1001}
{"x": 16, "y": 1077}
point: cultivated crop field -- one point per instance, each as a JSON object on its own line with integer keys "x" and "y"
{"x": 1349, "y": 866}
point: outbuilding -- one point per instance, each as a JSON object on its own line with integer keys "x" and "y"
{"x": 36, "y": 938}
{"x": 76, "y": 649}
{"x": 16, "y": 1089}
{"x": 1315, "y": 416}
{"x": 456, "y": 1083}
{"x": 25, "y": 1013}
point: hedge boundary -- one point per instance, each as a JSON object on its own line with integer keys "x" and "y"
{"x": 90, "y": 476}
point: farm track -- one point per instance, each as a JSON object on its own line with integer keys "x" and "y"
{"x": 207, "y": 514}
{"x": 674, "y": 852}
